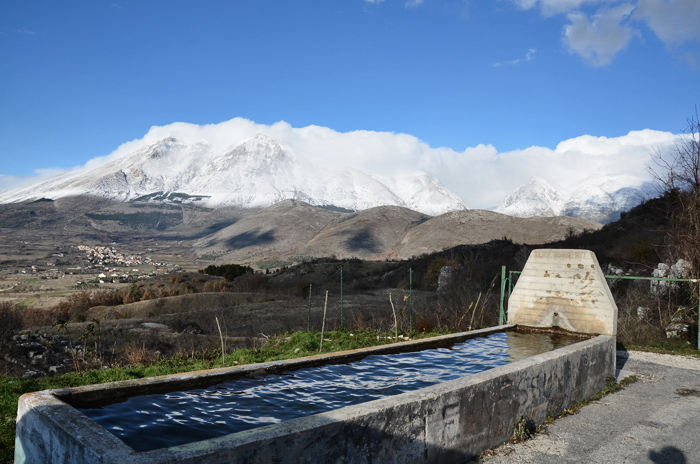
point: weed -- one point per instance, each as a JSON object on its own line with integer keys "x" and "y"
{"x": 522, "y": 430}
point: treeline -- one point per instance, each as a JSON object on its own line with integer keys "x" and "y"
{"x": 227, "y": 271}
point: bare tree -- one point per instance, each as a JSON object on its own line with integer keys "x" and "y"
{"x": 678, "y": 175}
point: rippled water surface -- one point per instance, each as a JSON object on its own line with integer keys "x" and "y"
{"x": 163, "y": 420}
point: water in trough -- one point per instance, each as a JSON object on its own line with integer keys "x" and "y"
{"x": 163, "y": 420}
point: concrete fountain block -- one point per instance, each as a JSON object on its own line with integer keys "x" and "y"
{"x": 565, "y": 289}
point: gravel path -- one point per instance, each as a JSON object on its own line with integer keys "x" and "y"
{"x": 655, "y": 420}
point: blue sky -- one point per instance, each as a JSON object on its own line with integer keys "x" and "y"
{"x": 79, "y": 78}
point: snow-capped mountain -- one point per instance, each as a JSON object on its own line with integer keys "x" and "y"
{"x": 536, "y": 198}
{"x": 258, "y": 172}
{"x": 600, "y": 199}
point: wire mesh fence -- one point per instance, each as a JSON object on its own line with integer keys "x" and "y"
{"x": 377, "y": 309}
{"x": 451, "y": 305}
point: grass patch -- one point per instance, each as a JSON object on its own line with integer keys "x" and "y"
{"x": 286, "y": 346}
{"x": 662, "y": 348}
{"x": 58, "y": 293}
{"x": 155, "y": 220}
{"x": 27, "y": 302}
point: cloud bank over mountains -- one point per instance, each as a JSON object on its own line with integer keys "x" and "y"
{"x": 482, "y": 176}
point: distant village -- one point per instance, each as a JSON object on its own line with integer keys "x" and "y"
{"x": 104, "y": 264}
{"x": 103, "y": 256}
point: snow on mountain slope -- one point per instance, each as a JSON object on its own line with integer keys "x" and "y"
{"x": 535, "y": 198}
{"x": 600, "y": 199}
{"x": 258, "y": 172}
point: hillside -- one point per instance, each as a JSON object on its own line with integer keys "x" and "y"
{"x": 479, "y": 226}
{"x": 296, "y": 229}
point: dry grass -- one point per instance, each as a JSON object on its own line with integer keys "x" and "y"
{"x": 135, "y": 354}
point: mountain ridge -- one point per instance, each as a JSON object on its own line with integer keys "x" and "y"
{"x": 257, "y": 172}
{"x": 600, "y": 199}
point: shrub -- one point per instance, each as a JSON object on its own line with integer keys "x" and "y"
{"x": 11, "y": 322}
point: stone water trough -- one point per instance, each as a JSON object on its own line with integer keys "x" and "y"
{"x": 447, "y": 422}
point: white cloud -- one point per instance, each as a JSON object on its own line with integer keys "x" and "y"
{"x": 528, "y": 57}
{"x": 550, "y": 8}
{"x": 609, "y": 30}
{"x": 24, "y": 31}
{"x": 480, "y": 175}
{"x": 9, "y": 182}
{"x": 673, "y": 21}
{"x": 601, "y": 38}
{"x": 409, "y": 3}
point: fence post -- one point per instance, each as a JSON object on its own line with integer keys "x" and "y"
{"x": 341, "y": 297}
{"x": 698, "y": 317}
{"x": 410, "y": 300}
{"x": 308, "y": 320}
{"x": 510, "y": 283}
{"x": 502, "y": 315}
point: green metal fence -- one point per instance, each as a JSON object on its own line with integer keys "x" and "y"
{"x": 508, "y": 279}
{"x": 453, "y": 305}
{"x": 366, "y": 309}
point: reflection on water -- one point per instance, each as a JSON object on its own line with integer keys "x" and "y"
{"x": 524, "y": 345}
{"x": 163, "y": 420}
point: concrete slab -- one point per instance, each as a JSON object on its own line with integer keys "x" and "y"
{"x": 566, "y": 289}
{"x": 622, "y": 374}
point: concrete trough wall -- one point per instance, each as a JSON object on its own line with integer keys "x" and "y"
{"x": 448, "y": 422}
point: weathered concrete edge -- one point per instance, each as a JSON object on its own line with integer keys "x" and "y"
{"x": 49, "y": 430}
{"x": 46, "y": 424}
{"x": 448, "y": 422}
{"x": 435, "y": 423}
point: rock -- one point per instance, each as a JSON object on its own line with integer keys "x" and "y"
{"x": 34, "y": 346}
{"x": 680, "y": 315}
{"x": 154, "y": 325}
{"x": 57, "y": 369}
{"x": 677, "y": 330}
{"x": 445, "y": 278}
{"x": 641, "y": 312}
{"x": 680, "y": 270}
{"x": 191, "y": 328}
{"x": 30, "y": 374}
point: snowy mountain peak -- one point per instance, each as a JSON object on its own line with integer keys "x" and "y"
{"x": 163, "y": 147}
{"x": 536, "y": 198}
{"x": 600, "y": 199}
{"x": 256, "y": 172}
{"x": 260, "y": 149}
